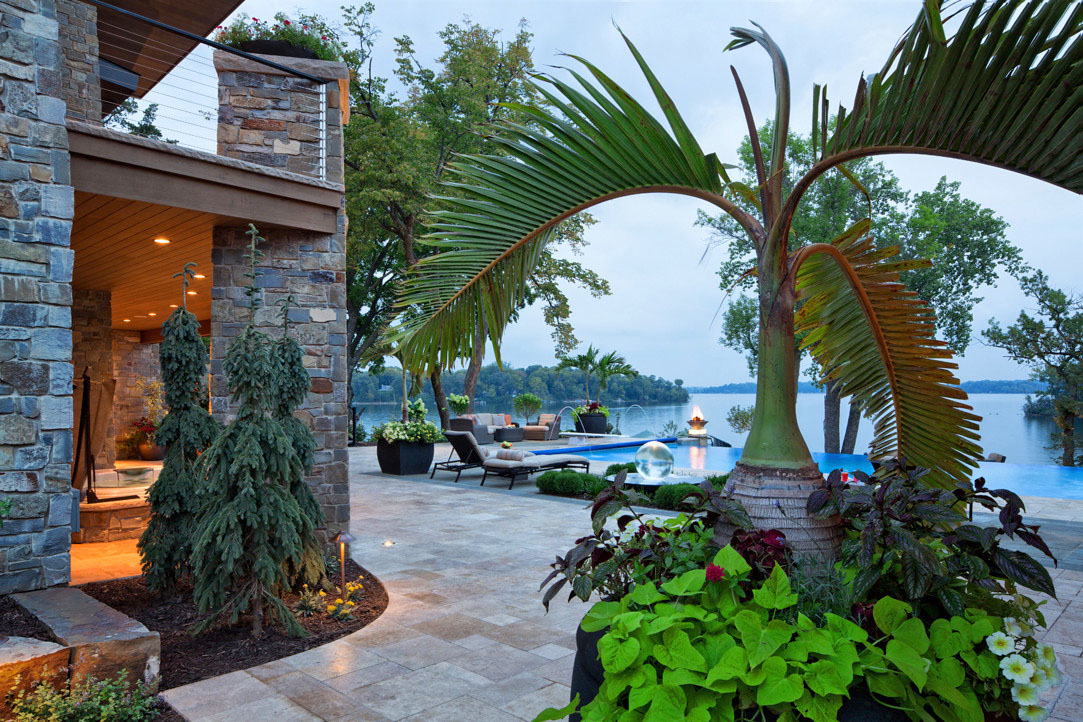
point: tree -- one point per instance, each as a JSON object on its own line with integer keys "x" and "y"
{"x": 186, "y": 431}
{"x": 610, "y": 365}
{"x": 397, "y": 151}
{"x": 965, "y": 242}
{"x": 1051, "y": 341}
{"x": 526, "y": 405}
{"x": 250, "y": 529}
{"x": 145, "y": 127}
{"x": 584, "y": 363}
{"x": 599, "y": 143}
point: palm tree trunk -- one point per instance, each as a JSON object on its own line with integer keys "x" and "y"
{"x": 440, "y": 398}
{"x": 853, "y": 423}
{"x": 776, "y": 472}
{"x": 832, "y": 403}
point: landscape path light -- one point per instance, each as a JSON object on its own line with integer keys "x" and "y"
{"x": 342, "y": 539}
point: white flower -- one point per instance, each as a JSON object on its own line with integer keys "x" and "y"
{"x": 1000, "y": 643}
{"x": 1012, "y": 627}
{"x": 1040, "y": 681}
{"x": 1025, "y": 694}
{"x": 1017, "y": 668}
{"x": 1033, "y": 713}
{"x": 1047, "y": 655}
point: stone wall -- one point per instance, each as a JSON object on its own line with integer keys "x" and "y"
{"x": 269, "y": 117}
{"x": 92, "y": 350}
{"x": 80, "y": 83}
{"x": 310, "y": 266}
{"x": 132, "y": 360}
{"x": 36, "y": 208}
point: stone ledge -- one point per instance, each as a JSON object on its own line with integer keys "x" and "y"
{"x": 107, "y": 521}
{"x": 24, "y": 661}
{"x": 103, "y": 641}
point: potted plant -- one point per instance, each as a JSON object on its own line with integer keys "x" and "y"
{"x": 153, "y": 393}
{"x": 406, "y": 448}
{"x": 458, "y": 403}
{"x": 526, "y": 405}
{"x": 308, "y": 37}
{"x": 592, "y": 417}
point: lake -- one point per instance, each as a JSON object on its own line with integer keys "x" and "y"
{"x": 1004, "y": 427}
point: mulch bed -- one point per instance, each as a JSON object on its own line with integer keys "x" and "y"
{"x": 14, "y": 622}
{"x": 189, "y": 658}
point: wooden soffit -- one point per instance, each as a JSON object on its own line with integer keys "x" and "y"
{"x": 111, "y": 163}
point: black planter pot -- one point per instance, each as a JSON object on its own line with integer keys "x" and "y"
{"x": 277, "y": 47}
{"x": 592, "y": 423}
{"x": 588, "y": 674}
{"x": 404, "y": 458}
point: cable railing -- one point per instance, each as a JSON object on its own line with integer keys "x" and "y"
{"x": 183, "y": 105}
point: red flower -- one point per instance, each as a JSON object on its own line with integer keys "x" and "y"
{"x": 323, "y": 37}
{"x": 715, "y": 573}
{"x": 286, "y": 21}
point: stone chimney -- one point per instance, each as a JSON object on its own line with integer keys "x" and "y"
{"x": 270, "y": 117}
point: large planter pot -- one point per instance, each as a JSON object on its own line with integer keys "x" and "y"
{"x": 588, "y": 674}
{"x": 277, "y": 47}
{"x": 592, "y": 423}
{"x": 149, "y": 451}
{"x": 404, "y": 458}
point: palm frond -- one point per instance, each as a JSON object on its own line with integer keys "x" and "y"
{"x": 1006, "y": 90}
{"x": 592, "y": 143}
{"x": 877, "y": 341}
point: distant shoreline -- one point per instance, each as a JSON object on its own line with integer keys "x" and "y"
{"x": 1014, "y": 386}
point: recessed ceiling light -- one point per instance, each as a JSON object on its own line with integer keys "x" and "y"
{"x": 192, "y": 293}
{"x": 151, "y": 313}
{"x": 161, "y": 241}
{"x": 173, "y": 305}
{"x": 127, "y": 320}
{"x": 200, "y": 275}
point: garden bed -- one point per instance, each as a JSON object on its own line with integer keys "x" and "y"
{"x": 578, "y": 485}
{"x": 188, "y": 658}
{"x": 15, "y": 622}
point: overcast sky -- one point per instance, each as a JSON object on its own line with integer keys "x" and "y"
{"x": 662, "y": 313}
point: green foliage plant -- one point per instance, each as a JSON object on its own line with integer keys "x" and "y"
{"x": 308, "y": 31}
{"x": 291, "y": 385}
{"x": 250, "y": 526}
{"x": 186, "y": 431}
{"x": 88, "y": 700}
{"x": 740, "y": 418}
{"x": 628, "y": 466}
{"x": 424, "y": 432}
{"x": 5, "y": 507}
{"x": 526, "y": 405}
{"x": 458, "y": 403}
{"x": 308, "y": 603}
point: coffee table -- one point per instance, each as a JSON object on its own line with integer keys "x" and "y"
{"x": 508, "y": 433}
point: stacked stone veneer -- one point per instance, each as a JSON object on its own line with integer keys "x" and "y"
{"x": 36, "y": 208}
{"x": 132, "y": 360}
{"x": 310, "y": 267}
{"x": 269, "y": 117}
{"x": 92, "y": 350}
{"x": 80, "y": 82}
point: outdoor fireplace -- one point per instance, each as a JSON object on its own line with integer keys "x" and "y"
{"x": 697, "y": 422}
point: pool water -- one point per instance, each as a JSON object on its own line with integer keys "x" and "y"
{"x": 1058, "y": 482}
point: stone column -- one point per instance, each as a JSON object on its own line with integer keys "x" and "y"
{"x": 310, "y": 266}
{"x": 36, "y": 208}
{"x": 270, "y": 117}
{"x": 79, "y": 76}
{"x": 92, "y": 351}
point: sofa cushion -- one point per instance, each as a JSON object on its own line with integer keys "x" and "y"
{"x": 507, "y": 419}
{"x": 546, "y": 419}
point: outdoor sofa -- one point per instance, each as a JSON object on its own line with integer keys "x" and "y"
{"x": 547, "y": 428}
{"x": 482, "y": 426}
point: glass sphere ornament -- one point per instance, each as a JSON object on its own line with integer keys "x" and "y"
{"x": 654, "y": 460}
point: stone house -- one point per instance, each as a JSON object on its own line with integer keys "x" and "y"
{"x": 94, "y": 223}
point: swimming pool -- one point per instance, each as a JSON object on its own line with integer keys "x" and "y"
{"x": 1058, "y": 482}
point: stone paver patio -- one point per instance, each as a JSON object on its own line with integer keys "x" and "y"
{"x": 465, "y": 637}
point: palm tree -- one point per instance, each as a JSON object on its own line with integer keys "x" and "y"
{"x": 612, "y": 364}
{"x": 1003, "y": 90}
{"x": 586, "y": 362}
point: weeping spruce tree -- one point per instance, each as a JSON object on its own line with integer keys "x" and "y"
{"x": 188, "y": 429}
{"x": 1002, "y": 90}
{"x": 251, "y": 529}
{"x": 291, "y": 385}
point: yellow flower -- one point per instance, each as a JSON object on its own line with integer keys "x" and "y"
{"x": 323, "y": 593}
{"x": 338, "y": 601}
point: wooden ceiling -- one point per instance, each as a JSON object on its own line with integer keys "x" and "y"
{"x": 113, "y": 239}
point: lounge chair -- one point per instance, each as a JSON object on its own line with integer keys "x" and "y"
{"x": 513, "y": 464}
{"x": 547, "y": 428}
{"x": 469, "y": 455}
